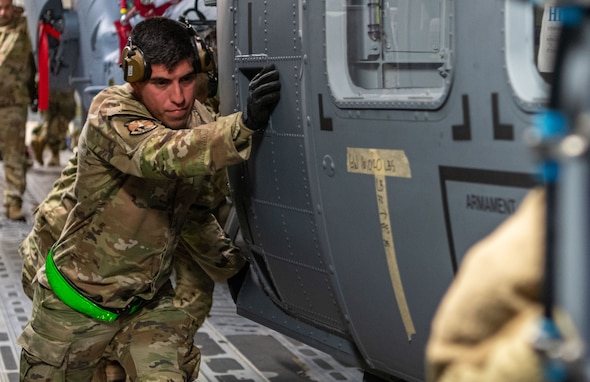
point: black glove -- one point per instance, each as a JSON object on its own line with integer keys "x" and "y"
{"x": 264, "y": 93}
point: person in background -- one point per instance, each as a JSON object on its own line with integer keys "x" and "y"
{"x": 486, "y": 325}
{"x": 17, "y": 92}
{"x": 145, "y": 152}
{"x": 56, "y": 119}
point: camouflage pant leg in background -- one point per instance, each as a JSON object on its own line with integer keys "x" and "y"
{"x": 13, "y": 121}
{"x": 154, "y": 344}
{"x": 62, "y": 109}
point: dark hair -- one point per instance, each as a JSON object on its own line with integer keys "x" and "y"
{"x": 164, "y": 41}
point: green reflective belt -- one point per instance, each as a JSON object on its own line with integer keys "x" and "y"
{"x": 72, "y": 298}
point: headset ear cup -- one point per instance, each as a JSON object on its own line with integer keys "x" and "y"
{"x": 205, "y": 57}
{"x": 134, "y": 67}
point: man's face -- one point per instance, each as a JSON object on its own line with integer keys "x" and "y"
{"x": 6, "y": 12}
{"x": 169, "y": 96}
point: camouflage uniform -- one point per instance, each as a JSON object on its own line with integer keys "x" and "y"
{"x": 61, "y": 110}
{"x": 137, "y": 187}
{"x": 17, "y": 70}
{"x": 194, "y": 288}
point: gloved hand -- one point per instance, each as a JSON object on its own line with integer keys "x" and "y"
{"x": 263, "y": 95}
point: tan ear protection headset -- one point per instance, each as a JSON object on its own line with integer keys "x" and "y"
{"x": 133, "y": 63}
{"x": 205, "y": 62}
{"x": 135, "y": 68}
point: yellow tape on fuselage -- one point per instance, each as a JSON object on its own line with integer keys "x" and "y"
{"x": 381, "y": 164}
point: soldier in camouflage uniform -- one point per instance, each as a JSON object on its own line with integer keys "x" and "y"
{"x": 17, "y": 70}
{"x": 144, "y": 154}
{"x": 53, "y": 131}
{"x": 194, "y": 288}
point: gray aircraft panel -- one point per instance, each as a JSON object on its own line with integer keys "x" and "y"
{"x": 390, "y": 173}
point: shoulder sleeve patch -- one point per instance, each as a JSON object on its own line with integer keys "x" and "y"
{"x": 141, "y": 126}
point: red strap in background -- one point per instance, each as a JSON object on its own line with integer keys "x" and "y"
{"x": 150, "y": 10}
{"x": 43, "y": 63}
{"x": 123, "y": 31}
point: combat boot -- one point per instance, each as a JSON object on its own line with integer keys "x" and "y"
{"x": 14, "y": 212}
{"x": 54, "y": 161}
{"x": 38, "y": 145}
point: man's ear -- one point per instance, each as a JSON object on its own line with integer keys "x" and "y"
{"x": 136, "y": 86}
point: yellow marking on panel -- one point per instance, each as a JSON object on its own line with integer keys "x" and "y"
{"x": 380, "y": 164}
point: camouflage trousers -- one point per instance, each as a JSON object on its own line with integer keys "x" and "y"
{"x": 12, "y": 146}
{"x": 61, "y": 110}
{"x": 153, "y": 344}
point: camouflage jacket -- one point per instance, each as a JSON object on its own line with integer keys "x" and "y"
{"x": 17, "y": 64}
{"x": 135, "y": 185}
{"x": 203, "y": 242}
